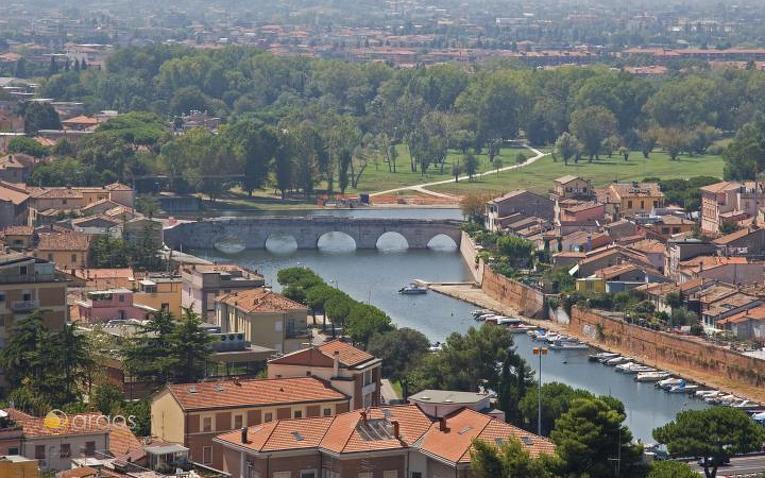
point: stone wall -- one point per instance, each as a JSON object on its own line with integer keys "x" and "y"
{"x": 689, "y": 355}
{"x": 526, "y": 300}
{"x": 469, "y": 252}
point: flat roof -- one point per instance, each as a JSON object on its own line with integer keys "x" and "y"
{"x": 447, "y": 396}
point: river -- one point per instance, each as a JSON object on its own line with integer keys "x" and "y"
{"x": 376, "y": 276}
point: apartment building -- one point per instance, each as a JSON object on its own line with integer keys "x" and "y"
{"x": 192, "y": 414}
{"x": 67, "y": 249}
{"x": 29, "y": 284}
{"x": 380, "y": 442}
{"x": 352, "y": 371}
{"x": 266, "y": 318}
{"x": 728, "y": 202}
{"x": 101, "y": 306}
{"x": 631, "y": 199}
{"x": 47, "y": 204}
{"x": 161, "y": 292}
{"x": 203, "y": 283}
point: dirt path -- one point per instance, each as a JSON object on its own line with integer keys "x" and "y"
{"x": 423, "y": 188}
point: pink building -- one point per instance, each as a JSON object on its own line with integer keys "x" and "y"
{"x": 575, "y": 211}
{"x": 112, "y": 304}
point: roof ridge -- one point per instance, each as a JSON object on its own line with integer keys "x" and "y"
{"x": 488, "y": 421}
{"x": 273, "y": 429}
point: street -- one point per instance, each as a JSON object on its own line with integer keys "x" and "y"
{"x": 740, "y": 466}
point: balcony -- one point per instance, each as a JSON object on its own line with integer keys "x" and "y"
{"x": 297, "y": 332}
{"x": 23, "y": 306}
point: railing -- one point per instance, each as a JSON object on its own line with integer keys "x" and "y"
{"x": 25, "y": 305}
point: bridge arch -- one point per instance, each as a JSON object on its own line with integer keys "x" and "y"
{"x": 442, "y": 242}
{"x": 281, "y": 243}
{"x": 390, "y": 241}
{"x": 336, "y": 241}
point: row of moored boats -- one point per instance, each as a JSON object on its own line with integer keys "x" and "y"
{"x": 514, "y": 324}
{"x": 668, "y": 382}
{"x": 555, "y": 340}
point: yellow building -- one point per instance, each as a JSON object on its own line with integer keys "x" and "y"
{"x": 15, "y": 466}
{"x": 160, "y": 291}
{"x": 593, "y": 285}
{"x": 67, "y": 249}
{"x": 266, "y": 318}
{"x": 631, "y": 199}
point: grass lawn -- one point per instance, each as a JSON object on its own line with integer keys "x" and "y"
{"x": 376, "y": 177}
{"x": 538, "y": 177}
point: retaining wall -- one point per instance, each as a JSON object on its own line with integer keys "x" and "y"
{"x": 527, "y": 300}
{"x": 469, "y": 253}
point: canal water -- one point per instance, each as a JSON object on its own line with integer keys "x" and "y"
{"x": 376, "y": 276}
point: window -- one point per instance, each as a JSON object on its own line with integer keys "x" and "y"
{"x": 282, "y": 474}
{"x": 367, "y": 377}
{"x": 207, "y": 424}
{"x": 50, "y": 257}
{"x": 268, "y": 417}
{"x": 327, "y": 412}
{"x": 165, "y": 306}
{"x": 65, "y": 451}
{"x": 629, "y": 204}
{"x": 297, "y": 414}
{"x": 307, "y": 473}
{"x": 23, "y": 270}
{"x": 238, "y": 421}
{"x": 63, "y": 201}
{"x": 26, "y": 297}
{"x": 13, "y": 451}
{"x": 416, "y": 474}
{"x": 90, "y": 448}
{"x": 40, "y": 452}
{"x": 2, "y": 297}
{"x": 74, "y": 258}
{"x": 122, "y": 298}
{"x": 206, "y": 454}
{"x": 390, "y": 474}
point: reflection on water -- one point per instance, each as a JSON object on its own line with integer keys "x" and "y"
{"x": 375, "y": 277}
{"x": 336, "y": 242}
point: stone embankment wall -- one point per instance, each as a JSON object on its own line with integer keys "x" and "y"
{"x": 700, "y": 359}
{"x": 469, "y": 253}
{"x": 528, "y": 301}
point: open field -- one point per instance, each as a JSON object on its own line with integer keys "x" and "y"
{"x": 538, "y": 177}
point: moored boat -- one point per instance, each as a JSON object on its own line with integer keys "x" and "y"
{"x": 601, "y": 356}
{"x": 616, "y": 361}
{"x": 651, "y": 376}
{"x": 413, "y": 289}
{"x": 669, "y": 382}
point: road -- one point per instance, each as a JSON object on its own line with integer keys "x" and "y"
{"x": 740, "y": 467}
{"x": 423, "y": 188}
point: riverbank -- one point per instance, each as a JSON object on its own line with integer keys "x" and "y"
{"x": 478, "y": 297}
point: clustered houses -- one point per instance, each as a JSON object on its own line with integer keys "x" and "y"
{"x": 623, "y": 236}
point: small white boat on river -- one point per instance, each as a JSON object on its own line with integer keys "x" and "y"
{"x": 669, "y": 382}
{"x": 616, "y": 361}
{"x": 602, "y": 356}
{"x": 633, "y": 367}
{"x": 651, "y": 376}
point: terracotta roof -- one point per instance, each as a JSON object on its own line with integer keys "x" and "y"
{"x": 260, "y": 299}
{"x": 12, "y": 193}
{"x": 81, "y": 472}
{"x": 324, "y": 355}
{"x": 17, "y": 160}
{"x": 123, "y": 442}
{"x": 615, "y": 270}
{"x": 18, "y": 231}
{"x": 82, "y": 119}
{"x": 63, "y": 241}
{"x": 348, "y": 354}
{"x": 623, "y": 190}
{"x": 720, "y": 187}
{"x": 54, "y": 193}
{"x": 757, "y": 313}
{"x": 583, "y": 206}
{"x": 566, "y": 179}
{"x": 126, "y": 272}
{"x": 699, "y": 263}
{"x": 250, "y": 393}
{"x": 117, "y": 187}
{"x": 34, "y": 427}
{"x": 648, "y": 246}
{"x": 733, "y": 236}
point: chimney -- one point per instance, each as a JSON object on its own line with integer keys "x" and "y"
{"x": 442, "y": 424}
{"x": 244, "y": 436}
{"x": 364, "y": 416}
{"x": 396, "y": 429}
{"x": 336, "y": 366}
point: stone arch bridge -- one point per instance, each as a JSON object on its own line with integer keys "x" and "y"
{"x": 253, "y": 232}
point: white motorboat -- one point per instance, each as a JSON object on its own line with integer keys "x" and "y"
{"x": 683, "y": 387}
{"x": 651, "y": 376}
{"x": 669, "y": 382}
{"x": 602, "y": 356}
{"x": 743, "y": 404}
{"x": 508, "y": 321}
{"x": 616, "y": 361}
{"x": 633, "y": 367}
{"x": 707, "y": 393}
{"x": 521, "y": 328}
{"x": 480, "y": 312}
{"x": 413, "y": 289}
{"x": 436, "y": 347}
{"x": 568, "y": 344}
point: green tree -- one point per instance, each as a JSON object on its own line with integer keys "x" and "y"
{"x": 39, "y": 116}
{"x": 508, "y": 460}
{"x": 556, "y": 400}
{"x": 592, "y": 441}
{"x": 107, "y": 399}
{"x": 591, "y": 126}
{"x": 470, "y": 164}
{"x": 713, "y": 435}
{"x": 366, "y": 321}
{"x": 567, "y": 145}
{"x": 671, "y": 469}
{"x": 191, "y": 347}
{"x": 516, "y": 249}
{"x": 497, "y": 164}
{"x": 673, "y": 141}
{"x": 28, "y": 146}
{"x": 400, "y": 350}
{"x": 147, "y": 355}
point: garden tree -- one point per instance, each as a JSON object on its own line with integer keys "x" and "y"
{"x": 20, "y": 358}
{"x": 147, "y": 206}
{"x": 284, "y": 163}
{"x": 75, "y": 364}
{"x": 495, "y": 100}
{"x": 515, "y": 379}
{"x": 685, "y": 102}
{"x": 497, "y": 163}
{"x": 338, "y": 307}
{"x": 136, "y": 128}
{"x": 556, "y": 400}
{"x": 298, "y": 276}
{"x": 701, "y": 138}
{"x": 745, "y": 155}
{"x": 590, "y": 436}
{"x": 673, "y": 141}
{"x": 517, "y": 250}
{"x": 107, "y": 398}
{"x": 366, "y": 321}
{"x": 466, "y": 361}
{"x": 473, "y": 206}
{"x": 648, "y": 138}
{"x": 255, "y": 146}
{"x": 39, "y": 116}
{"x": 470, "y": 163}
{"x": 611, "y": 145}
{"x": 66, "y": 172}
{"x": 671, "y": 469}
{"x": 624, "y": 152}
{"x": 713, "y": 435}
{"x": 462, "y": 140}
{"x": 591, "y": 126}
{"x": 191, "y": 348}
{"x": 26, "y": 145}
{"x": 400, "y": 350}
{"x": 621, "y": 93}
{"x": 147, "y": 355}
{"x": 392, "y": 152}
{"x": 456, "y": 172}
{"x": 508, "y": 460}
{"x": 316, "y": 297}
{"x": 63, "y": 148}
{"x": 493, "y": 149}
{"x": 567, "y": 146}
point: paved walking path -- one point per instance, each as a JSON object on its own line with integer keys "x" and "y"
{"x": 422, "y": 188}
{"x": 387, "y": 392}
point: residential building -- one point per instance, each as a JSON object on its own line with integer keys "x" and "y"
{"x": 14, "y": 205}
{"x": 631, "y": 199}
{"x": 682, "y": 250}
{"x": 192, "y": 414}
{"x": 18, "y": 238}
{"x": 266, "y": 318}
{"x": 581, "y": 212}
{"x": 746, "y": 325}
{"x": 731, "y": 270}
{"x": 394, "y": 441}
{"x": 352, "y": 371}
{"x": 100, "y": 279}
{"x": 15, "y": 466}
{"x": 572, "y": 187}
{"x": 202, "y": 283}
{"x": 749, "y": 241}
{"x": 10, "y": 436}
{"x": 67, "y": 249}
{"x": 48, "y": 204}
{"x": 728, "y": 202}
{"x": 442, "y": 403}
{"x": 142, "y": 228}
{"x": 668, "y": 226}
{"x": 161, "y": 292}
{"x": 16, "y": 168}
{"x": 521, "y": 202}
{"x": 102, "y": 306}
{"x": 28, "y": 284}
{"x": 715, "y": 309}
{"x": 98, "y": 226}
